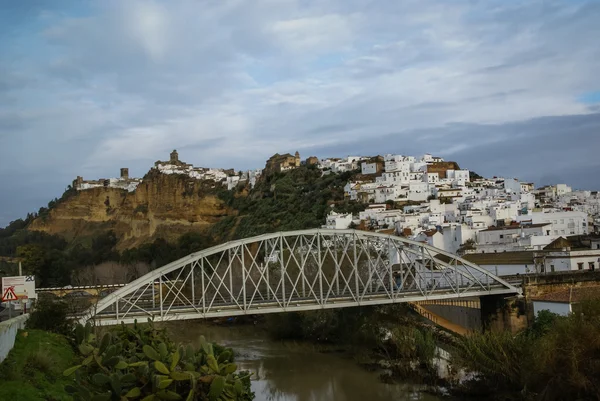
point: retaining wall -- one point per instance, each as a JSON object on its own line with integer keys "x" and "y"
{"x": 8, "y": 333}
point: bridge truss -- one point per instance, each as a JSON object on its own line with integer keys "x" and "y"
{"x": 296, "y": 271}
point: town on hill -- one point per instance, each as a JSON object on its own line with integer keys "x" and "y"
{"x": 503, "y": 224}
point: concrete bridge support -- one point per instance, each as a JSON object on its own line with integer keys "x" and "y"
{"x": 501, "y": 313}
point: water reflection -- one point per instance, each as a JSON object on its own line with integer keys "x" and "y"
{"x": 296, "y": 372}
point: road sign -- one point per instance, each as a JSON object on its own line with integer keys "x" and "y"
{"x": 9, "y": 295}
{"x": 22, "y": 286}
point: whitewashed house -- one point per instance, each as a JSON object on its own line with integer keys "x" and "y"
{"x": 338, "y": 221}
{"x": 565, "y": 302}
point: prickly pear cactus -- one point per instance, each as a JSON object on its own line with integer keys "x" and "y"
{"x": 141, "y": 363}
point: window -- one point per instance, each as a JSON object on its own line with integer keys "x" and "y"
{"x": 501, "y": 236}
{"x": 547, "y": 232}
{"x": 591, "y": 265}
{"x": 552, "y": 268}
{"x": 580, "y": 266}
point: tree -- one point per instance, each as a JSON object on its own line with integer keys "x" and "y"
{"x": 34, "y": 258}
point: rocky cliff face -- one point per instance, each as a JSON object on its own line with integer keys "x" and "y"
{"x": 162, "y": 205}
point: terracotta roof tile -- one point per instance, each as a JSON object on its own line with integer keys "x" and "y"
{"x": 572, "y": 295}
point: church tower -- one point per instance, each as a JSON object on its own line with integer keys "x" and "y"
{"x": 174, "y": 157}
{"x": 297, "y": 156}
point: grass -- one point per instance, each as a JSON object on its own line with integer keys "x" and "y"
{"x": 33, "y": 369}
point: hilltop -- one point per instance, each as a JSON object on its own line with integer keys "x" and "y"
{"x": 175, "y": 209}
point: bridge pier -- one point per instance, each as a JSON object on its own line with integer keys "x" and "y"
{"x": 502, "y": 313}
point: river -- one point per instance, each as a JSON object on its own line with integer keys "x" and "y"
{"x": 288, "y": 371}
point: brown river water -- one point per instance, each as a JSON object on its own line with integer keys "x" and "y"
{"x": 289, "y": 371}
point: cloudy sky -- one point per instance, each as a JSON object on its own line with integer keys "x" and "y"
{"x": 502, "y": 87}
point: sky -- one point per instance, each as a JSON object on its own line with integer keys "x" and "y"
{"x": 503, "y": 87}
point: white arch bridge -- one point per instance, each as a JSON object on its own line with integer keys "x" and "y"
{"x": 296, "y": 271}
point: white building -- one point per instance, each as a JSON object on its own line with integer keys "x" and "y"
{"x": 458, "y": 177}
{"x": 368, "y": 168}
{"x": 512, "y": 186}
{"x": 514, "y": 238}
{"x": 431, "y": 237}
{"x": 338, "y": 221}
{"x": 568, "y": 255}
{"x": 566, "y": 301}
{"x": 232, "y": 181}
{"x": 563, "y": 223}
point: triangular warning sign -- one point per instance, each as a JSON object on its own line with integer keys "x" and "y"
{"x": 9, "y": 295}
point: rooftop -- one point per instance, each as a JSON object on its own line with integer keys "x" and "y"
{"x": 515, "y": 226}
{"x": 500, "y": 258}
{"x": 571, "y": 295}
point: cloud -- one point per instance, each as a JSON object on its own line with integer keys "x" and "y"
{"x": 86, "y": 88}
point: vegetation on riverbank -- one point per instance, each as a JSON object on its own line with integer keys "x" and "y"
{"x": 136, "y": 362}
{"x": 557, "y": 359}
{"x": 33, "y": 370}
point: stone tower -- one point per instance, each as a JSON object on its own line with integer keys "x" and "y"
{"x": 174, "y": 157}
{"x": 124, "y": 173}
{"x": 78, "y": 182}
{"x": 297, "y": 155}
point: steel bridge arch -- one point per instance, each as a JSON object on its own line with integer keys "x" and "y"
{"x": 335, "y": 268}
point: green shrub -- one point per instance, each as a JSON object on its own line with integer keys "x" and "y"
{"x": 557, "y": 359}
{"x": 50, "y": 315}
{"x": 40, "y": 360}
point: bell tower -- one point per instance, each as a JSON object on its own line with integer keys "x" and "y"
{"x": 174, "y": 157}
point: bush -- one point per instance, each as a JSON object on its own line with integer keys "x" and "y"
{"x": 40, "y": 360}
{"x": 557, "y": 359}
{"x": 50, "y": 315}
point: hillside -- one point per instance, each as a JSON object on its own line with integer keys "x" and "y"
{"x": 167, "y": 217}
{"x": 163, "y": 205}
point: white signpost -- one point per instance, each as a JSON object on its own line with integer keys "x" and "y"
{"x": 23, "y": 287}
{"x": 17, "y": 288}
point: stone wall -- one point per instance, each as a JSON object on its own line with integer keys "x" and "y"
{"x": 501, "y": 313}
{"x": 8, "y": 333}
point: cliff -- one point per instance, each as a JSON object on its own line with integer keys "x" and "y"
{"x": 162, "y": 206}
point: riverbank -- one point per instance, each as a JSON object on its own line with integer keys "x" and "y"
{"x": 33, "y": 370}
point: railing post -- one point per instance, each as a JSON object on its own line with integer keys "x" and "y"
{"x": 193, "y": 286}
{"x": 283, "y": 273}
{"x": 153, "y": 296}
{"x": 355, "y": 267}
{"x": 244, "y": 278}
{"x": 337, "y": 265}
{"x": 301, "y": 268}
{"x": 320, "y": 272}
{"x": 391, "y": 279}
{"x": 160, "y": 294}
{"x": 203, "y": 290}
{"x": 230, "y": 274}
